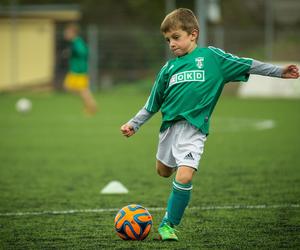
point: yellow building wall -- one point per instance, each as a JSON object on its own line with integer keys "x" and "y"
{"x": 5, "y": 53}
{"x": 26, "y": 52}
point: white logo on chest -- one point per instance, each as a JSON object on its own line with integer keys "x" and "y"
{"x": 199, "y": 62}
{"x": 187, "y": 76}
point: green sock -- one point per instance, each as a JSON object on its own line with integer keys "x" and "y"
{"x": 164, "y": 220}
{"x": 178, "y": 200}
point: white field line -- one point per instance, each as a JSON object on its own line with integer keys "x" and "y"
{"x": 108, "y": 210}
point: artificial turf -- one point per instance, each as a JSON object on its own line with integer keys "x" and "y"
{"x": 55, "y": 158}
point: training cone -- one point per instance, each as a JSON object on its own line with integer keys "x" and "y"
{"x": 114, "y": 187}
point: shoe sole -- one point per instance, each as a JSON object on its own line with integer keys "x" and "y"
{"x": 169, "y": 239}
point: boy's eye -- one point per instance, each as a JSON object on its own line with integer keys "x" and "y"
{"x": 167, "y": 40}
{"x": 176, "y": 37}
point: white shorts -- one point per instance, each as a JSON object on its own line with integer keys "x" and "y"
{"x": 181, "y": 145}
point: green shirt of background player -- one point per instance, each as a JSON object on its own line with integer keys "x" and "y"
{"x": 77, "y": 79}
{"x": 78, "y": 61}
{"x": 186, "y": 91}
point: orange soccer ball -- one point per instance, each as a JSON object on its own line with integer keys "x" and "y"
{"x": 133, "y": 222}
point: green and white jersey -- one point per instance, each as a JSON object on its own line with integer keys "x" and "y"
{"x": 189, "y": 87}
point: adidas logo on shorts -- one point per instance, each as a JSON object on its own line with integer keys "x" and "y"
{"x": 189, "y": 156}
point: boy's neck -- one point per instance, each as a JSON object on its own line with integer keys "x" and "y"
{"x": 190, "y": 50}
{"x": 193, "y": 48}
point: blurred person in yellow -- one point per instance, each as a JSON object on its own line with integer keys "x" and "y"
{"x": 77, "y": 79}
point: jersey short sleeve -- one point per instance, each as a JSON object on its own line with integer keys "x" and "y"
{"x": 155, "y": 99}
{"x": 233, "y": 68}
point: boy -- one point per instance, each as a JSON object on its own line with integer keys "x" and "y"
{"x": 77, "y": 79}
{"x": 186, "y": 91}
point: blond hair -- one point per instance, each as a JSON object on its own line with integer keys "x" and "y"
{"x": 181, "y": 18}
{"x": 74, "y": 27}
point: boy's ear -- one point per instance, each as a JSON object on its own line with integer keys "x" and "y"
{"x": 195, "y": 34}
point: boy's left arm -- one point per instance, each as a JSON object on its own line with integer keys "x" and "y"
{"x": 267, "y": 69}
{"x": 290, "y": 72}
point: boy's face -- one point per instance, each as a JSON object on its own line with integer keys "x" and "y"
{"x": 180, "y": 42}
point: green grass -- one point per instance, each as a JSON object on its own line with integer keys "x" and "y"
{"x": 55, "y": 158}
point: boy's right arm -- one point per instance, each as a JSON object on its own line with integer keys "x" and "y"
{"x": 152, "y": 106}
{"x": 132, "y": 126}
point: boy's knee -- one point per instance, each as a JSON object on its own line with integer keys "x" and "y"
{"x": 184, "y": 179}
{"x": 163, "y": 173}
{"x": 185, "y": 175}
{"x": 163, "y": 170}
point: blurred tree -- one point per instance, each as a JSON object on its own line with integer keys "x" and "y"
{"x": 123, "y": 13}
{"x": 237, "y": 13}
{"x": 150, "y": 13}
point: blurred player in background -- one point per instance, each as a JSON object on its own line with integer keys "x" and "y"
{"x": 186, "y": 91}
{"x": 77, "y": 79}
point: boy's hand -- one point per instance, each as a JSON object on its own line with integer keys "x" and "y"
{"x": 290, "y": 71}
{"x": 127, "y": 130}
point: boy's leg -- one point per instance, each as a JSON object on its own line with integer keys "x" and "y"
{"x": 180, "y": 194}
{"x": 163, "y": 170}
{"x": 178, "y": 200}
{"x": 187, "y": 148}
{"x": 185, "y": 174}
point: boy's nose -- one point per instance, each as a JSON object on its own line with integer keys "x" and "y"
{"x": 172, "y": 44}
